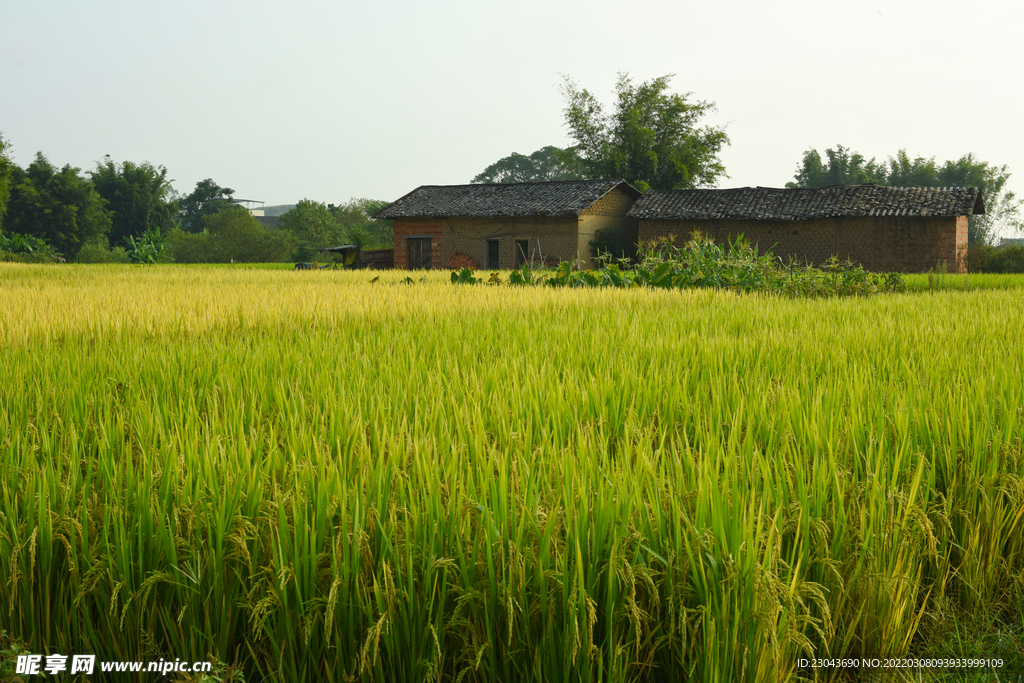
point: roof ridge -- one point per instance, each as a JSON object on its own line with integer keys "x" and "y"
{"x": 793, "y": 204}
{"x": 534, "y": 182}
{"x": 535, "y": 198}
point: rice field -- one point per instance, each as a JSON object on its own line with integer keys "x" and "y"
{"x": 305, "y": 476}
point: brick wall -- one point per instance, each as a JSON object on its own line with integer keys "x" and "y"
{"x": 557, "y": 237}
{"x": 404, "y": 227}
{"x": 952, "y": 247}
{"x": 907, "y": 244}
{"x": 811, "y": 242}
{"x": 879, "y": 243}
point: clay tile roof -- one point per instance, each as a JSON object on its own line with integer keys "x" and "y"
{"x": 554, "y": 198}
{"x": 772, "y": 204}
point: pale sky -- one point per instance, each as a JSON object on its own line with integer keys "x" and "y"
{"x": 334, "y": 100}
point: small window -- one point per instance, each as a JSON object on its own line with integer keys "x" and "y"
{"x": 493, "y": 254}
{"x": 522, "y": 252}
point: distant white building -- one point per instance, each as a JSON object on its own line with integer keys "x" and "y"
{"x": 254, "y": 206}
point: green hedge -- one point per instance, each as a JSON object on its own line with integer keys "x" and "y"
{"x": 984, "y": 258}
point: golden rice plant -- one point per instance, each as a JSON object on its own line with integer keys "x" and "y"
{"x": 311, "y": 476}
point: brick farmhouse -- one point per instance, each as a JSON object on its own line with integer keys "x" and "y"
{"x": 503, "y": 226}
{"x": 904, "y": 229}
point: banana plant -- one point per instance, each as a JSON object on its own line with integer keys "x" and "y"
{"x": 147, "y": 248}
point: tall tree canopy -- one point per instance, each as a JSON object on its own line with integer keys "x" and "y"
{"x": 840, "y": 167}
{"x": 240, "y": 237}
{"x": 138, "y": 196}
{"x": 207, "y": 199}
{"x": 313, "y": 224}
{"x": 653, "y": 139}
{"x": 547, "y": 163}
{"x": 359, "y": 227}
{"x": 60, "y": 206}
{"x": 6, "y": 170}
{"x": 843, "y": 167}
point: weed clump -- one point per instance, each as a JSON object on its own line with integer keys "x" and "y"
{"x": 702, "y": 264}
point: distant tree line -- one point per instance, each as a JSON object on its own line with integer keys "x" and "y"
{"x": 841, "y": 166}
{"x": 127, "y": 211}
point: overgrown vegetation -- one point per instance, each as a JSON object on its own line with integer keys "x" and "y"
{"x": 985, "y": 258}
{"x": 316, "y": 225}
{"x": 147, "y": 249}
{"x": 100, "y": 251}
{"x": 230, "y": 237}
{"x": 615, "y": 242}
{"x": 27, "y": 249}
{"x": 6, "y": 171}
{"x": 702, "y": 264}
{"x": 126, "y": 211}
{"x": 56, "y": 204}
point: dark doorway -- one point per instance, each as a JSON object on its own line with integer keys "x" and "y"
{"x": 419, "y": 253}
{"x": 522, "y": 252}
{"x": 493, "y": 254}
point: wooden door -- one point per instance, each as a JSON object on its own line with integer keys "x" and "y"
{"x": 419, "y": 253}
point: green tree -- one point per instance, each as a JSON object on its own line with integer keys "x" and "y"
{"x": 230, "y": 237}
{"x": 60, "y": 206}
{"x": 842, "y": 167}
{"x": 902, "y": 171}
{"x": 207, "y": 199}
{"x": 240, "y": 238}
{"x": 358, "y": 226}
{"x": 547, "y": 163}
{"x": 653, "y": 139}
{"x": 1002, "y": 208}
{"x": 138, "y": 197}
{"x": 313, "y": 225}
{"x": 6, "y": 171}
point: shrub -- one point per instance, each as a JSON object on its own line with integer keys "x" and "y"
{"x": 231, "y": 236}
{"x": 1007, "y": 260}
{"x": 190, "y": 247}
{"x": 240, "y": 238}
{"x": 149, "y": 248}
{"x": 984, "y": 258}
{"x": 977, "y": 257}
{"x": 99, "y": 251}
{"x": 703, "y": 264}
{"x": 613, "y": 242}
{"x": 27, "y": 249}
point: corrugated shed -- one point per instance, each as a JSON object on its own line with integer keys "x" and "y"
{"x": 555, "y": 198}
{"x": 774, "y": 204}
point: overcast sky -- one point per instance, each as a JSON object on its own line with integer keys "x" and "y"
{"x": 334, "y": 100}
